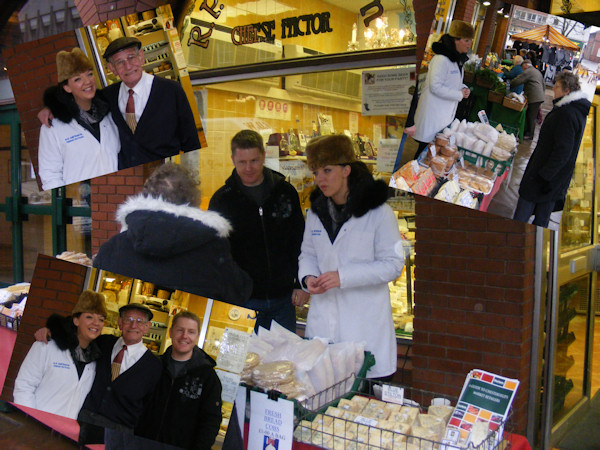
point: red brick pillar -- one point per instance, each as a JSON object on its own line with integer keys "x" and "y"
{"x": 107, "y": 193}
{"x": 424, "y": 14}
{"x": 96, "y": 11}
{"x": 499, "y": 38}
{"x": 474, "y": 286}
{"x": 32, "y": 68}
{"x": 464, "y": 10}
{"x": 55, "y": 288}
{"x": 489, "y": 25}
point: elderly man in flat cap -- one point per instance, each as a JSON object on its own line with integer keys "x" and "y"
{"x": 152, "y": 114}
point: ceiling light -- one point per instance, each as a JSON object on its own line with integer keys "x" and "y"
{"x": 486, "y": 3}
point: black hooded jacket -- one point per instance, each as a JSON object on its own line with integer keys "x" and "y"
{"x": 365, "y": 194}
{"x": 266, "y": 238}
{"x": 550, "y": 168}
{"x": 185, "y": 411}
{"x": 176, "y": 246}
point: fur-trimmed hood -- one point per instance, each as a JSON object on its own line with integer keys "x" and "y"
{"x": 63, "y": 106}
{"x": 570, "y": 98}
{"x": 365, "y": 192}
{"x": 159, "y": 228}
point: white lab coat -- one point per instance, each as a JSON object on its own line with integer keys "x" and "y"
{"x": 367, "y": 253}
{"x": 69, "y": 153}
{"x": 48, "y": 381}
{"x": 439, "y": 98}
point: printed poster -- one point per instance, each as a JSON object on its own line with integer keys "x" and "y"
{"x": 386, "y": 92}
{"x": 486, "y": 398}
{"x": 271, "y": 423}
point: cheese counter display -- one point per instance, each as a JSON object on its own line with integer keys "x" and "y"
{"x": 465, "y": 165}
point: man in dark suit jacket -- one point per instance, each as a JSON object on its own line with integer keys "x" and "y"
{"x": 164, "y": 123}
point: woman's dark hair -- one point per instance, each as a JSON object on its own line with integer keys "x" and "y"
{"x": 175, "y": 184}
{"x": 568, "y": 81}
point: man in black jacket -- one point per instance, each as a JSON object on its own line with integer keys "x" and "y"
{"x": 268, "y": 226}
{"x": 185, "y": 410}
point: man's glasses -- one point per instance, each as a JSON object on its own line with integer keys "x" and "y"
{"x": 132, "y": 59}
{"x": 131, "y": 321}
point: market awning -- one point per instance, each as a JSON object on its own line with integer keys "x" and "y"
{"x": 545, "y": 35}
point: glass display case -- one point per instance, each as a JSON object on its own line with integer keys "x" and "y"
{"x": 578, "y": 213}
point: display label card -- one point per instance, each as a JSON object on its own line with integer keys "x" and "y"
{"x": 271, "y": 423}
{"x": 229, "y": 384}
{"x": 233, "y": 349}
{"x": 432, "y": 150}
{"x": 386, "y": 154}
{"x": 366, "y": 421}
{"x": 386, "y": 92}
{"x": 353, "y": 122}
{"x": 483, "y": 118}
{"x": 393, "y": 394}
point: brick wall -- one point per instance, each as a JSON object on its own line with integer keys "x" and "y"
{"x": 464, "y": 10}
{"x": 474, "y": 285}
{"x": 96, "y": 11}
{"x": 55, "y": 288}
{"x": 32, "y": 68}
{"x": 107, "y": 193}
{"x": 500, "y": 35}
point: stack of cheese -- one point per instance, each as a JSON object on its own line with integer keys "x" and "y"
{"x": 372, "y": 424}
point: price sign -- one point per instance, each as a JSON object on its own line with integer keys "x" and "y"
{"x": 393, "y": 394}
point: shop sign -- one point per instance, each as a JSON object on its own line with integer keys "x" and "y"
{"x": 387, "y": 91}
{"x": 271, "y": 422}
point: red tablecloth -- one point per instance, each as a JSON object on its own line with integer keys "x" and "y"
{"x": 485, "y": 202}
{"x": 7, "y": 342}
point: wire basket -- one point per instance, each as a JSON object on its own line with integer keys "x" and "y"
{"x": 477, "y": 159}
{"x": 327, "y": 427}
{"x": 510, "y": 129}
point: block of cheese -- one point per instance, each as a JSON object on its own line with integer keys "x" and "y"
{"x": 303, "y": 432}
{"x": 406, "y": 415}
{"x": 348, "y": 405}
{"x": 443, "y": 411}
{"x": 434, "y": 423}
{"x": 360, "y": 401}
{"x": 334, "y": 412}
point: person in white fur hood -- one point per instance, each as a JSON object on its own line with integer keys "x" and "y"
{"x": 168, "y": 240}
{"x": 548, "y": 174}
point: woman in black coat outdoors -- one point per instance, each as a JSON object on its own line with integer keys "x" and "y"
{"x": 546, "y": 179}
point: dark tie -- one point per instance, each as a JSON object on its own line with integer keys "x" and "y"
{"x": 115, "y": 367}
{"x": 130, "y": 112}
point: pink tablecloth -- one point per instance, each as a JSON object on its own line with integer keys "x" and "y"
{"x": 485, "y": 202}
{"x": 7, "y": 342}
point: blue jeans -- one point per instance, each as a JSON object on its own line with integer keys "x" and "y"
{"x": 280, "y": 310}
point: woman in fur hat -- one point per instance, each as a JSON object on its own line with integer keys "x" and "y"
{"x": 83, "y": 141}
{"x": 351, "y": 249}
{"x": 57, "y": 376}
{"x": 443, "y": 87}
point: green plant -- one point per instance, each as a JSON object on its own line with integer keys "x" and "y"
{"x": 499, "y": 87}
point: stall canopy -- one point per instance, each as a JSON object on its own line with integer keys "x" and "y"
{"x": 545, "y": 35}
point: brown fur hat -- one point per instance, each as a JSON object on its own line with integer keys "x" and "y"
{"x": 461, "y": 30}
{"x": 69, "y": 64}
{"x": 329, "y": 150}
{"x": 90, "y": 302}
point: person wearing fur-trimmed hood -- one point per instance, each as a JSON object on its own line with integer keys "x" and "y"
{"x": 546, "y": 179}
{"x": 351, "y": 249}
{"x": 83, "y": 141}
{"x": 167, "y": 240}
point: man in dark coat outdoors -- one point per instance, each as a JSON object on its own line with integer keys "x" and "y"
{"x": 535, "y": 91}
{"x": 546, "y": 179}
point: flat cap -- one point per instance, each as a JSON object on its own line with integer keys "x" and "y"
{"x": 121, "y": 43}
{"x": 138, "y": 307}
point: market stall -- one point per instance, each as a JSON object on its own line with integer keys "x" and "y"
{"x": 466, "y": 165}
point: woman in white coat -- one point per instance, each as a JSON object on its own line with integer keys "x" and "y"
{"x": 56, "y": 377}
{"x": 443, "y": 88}
{"x": 83, "y": 141}
{"x": 351, "y": 249}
